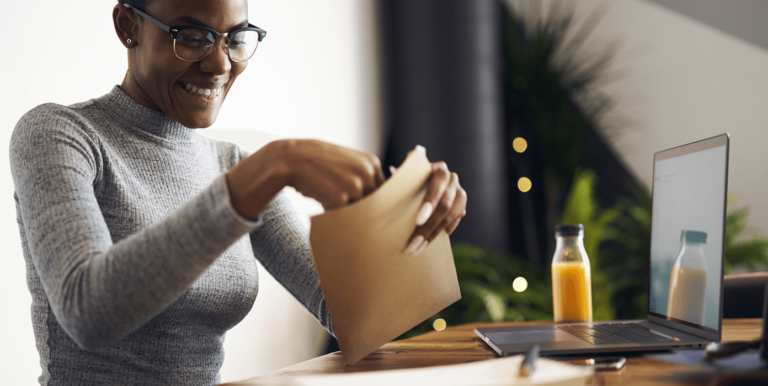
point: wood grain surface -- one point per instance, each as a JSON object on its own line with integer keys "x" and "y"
{"x": 459, "y": 344}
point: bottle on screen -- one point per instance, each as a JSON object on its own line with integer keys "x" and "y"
{"x": 688, "y": 280}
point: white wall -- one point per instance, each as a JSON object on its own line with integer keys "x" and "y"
{"x": 677, "y": 81}
{"x": 313, "y": 77}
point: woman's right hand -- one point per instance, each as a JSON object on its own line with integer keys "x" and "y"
{"x": 333, "y": 175}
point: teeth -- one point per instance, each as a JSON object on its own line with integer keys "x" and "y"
{"x": 203, "y": 92}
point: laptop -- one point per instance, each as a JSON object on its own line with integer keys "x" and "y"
{"x": 690, "y": 184}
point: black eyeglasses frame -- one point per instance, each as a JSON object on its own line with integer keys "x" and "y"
{"x": 175, "y": 29}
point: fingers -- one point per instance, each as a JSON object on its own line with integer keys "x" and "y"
{"x": 333, "y": 175}
{"x": 367, "y": 172}
{"x": 454, "y": 215}
{"x": 450, "y": 208}
{"x": 379, "y": 172}
{"x": 453, "y": 225}
{"x": 438, "y": 183}
{"x": 331, "y": 195}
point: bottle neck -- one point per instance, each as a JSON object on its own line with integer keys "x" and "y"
{"x": 691, "y": 256}
{"x": 570, "y": 249}
{"x": 569, "y": 241}
{"x": 694, "y": 247}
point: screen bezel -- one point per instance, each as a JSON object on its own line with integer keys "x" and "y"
{"x": 694, "y": 147}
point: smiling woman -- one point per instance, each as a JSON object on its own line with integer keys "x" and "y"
{"x": 160, "y": 70}
{"x": 141, "y": 236}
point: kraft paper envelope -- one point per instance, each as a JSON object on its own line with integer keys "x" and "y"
{"x": 375, "y": 290}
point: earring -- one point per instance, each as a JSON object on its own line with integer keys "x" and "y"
{"x": 129, "y": 41}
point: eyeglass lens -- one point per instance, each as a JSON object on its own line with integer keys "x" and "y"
{"x": 193, "y": 44}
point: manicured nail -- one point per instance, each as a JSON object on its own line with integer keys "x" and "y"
{"x": 392, "y": 170}
{"x": 415, "y": 244}
{"x": 424, "y": 213}
{"x": 421, "y": 149}
{"x": 422, "y": 247}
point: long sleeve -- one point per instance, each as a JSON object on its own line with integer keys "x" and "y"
{"x": 100, "y": 290}
{"x": 282, "y": 245}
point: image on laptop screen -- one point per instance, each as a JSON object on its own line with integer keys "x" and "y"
{"x": 689, "y": 189}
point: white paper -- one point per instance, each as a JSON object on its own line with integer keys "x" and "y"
{"x": 491, "y": 372}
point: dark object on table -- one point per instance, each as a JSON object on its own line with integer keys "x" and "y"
{"x": 724, "y": 350}
{"x": 744, "y": 283}
{"x": 743, "y": 297}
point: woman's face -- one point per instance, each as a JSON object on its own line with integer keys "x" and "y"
{"x": 159, "y": 80}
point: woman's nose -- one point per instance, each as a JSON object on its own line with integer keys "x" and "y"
{"x": 217, "y": 61}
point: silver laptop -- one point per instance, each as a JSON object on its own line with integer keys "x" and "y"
{"x": 690, "y": 185}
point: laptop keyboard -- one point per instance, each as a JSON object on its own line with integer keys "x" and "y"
{"x": 617, "y": 333}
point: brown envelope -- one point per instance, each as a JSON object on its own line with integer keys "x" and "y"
{"x": 374, "y": 289}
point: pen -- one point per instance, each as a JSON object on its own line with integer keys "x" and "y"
{"x": 529, "y": 362}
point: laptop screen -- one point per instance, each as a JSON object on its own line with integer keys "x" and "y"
{"x": 687, "y": 233}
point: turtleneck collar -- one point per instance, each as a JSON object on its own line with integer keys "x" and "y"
{"x": 142, "y": 118}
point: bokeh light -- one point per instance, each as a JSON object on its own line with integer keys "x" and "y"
{"x": 519, "y": 144}
{"x": 520, "y": 284}
{"x": 439, "y": 324}
{"x": 524, "y": 184}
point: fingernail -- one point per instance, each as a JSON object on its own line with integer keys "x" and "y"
{"x": 392, "y": 170}
{"x": 421, "y": 148}
{"x": 422, "y": 247}
{"x": 424, "y": 213}
{"x": 415, "y": 244}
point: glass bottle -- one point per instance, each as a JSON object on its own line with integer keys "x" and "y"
{"x": 571, "y": 276}
{"x": 688, "y": 279}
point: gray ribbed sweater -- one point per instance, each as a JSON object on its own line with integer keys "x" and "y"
{"x": 136, "y": 262}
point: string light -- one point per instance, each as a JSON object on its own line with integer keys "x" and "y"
{"x": 520, "y": 284}
{"x": 439, "y": 324}
{"x": 520, "y": 144}
{"x": 524, "y": 184}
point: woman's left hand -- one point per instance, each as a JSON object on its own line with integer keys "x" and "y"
{"x": 444, "y": 205}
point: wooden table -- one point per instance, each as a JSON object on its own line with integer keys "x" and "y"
{"x": 459, "y": 344}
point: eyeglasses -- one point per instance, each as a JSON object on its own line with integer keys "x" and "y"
{"x": 193, "y": 43}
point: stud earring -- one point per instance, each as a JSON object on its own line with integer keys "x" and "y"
{"x": 129, "y": 41}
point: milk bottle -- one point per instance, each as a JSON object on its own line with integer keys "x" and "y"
{"x": 688, "y": 280}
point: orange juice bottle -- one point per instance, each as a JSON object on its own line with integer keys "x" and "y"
{"x": 571, "y": 278}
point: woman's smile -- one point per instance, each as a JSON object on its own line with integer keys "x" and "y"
{"x": 205, "y": 95}
{"x": 211, "y": 92}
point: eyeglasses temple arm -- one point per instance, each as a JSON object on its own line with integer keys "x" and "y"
{"x": 150, "y": 18}
{"x": 262, "y": 32}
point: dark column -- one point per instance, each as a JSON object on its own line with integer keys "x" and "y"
{"x": 443, "y": 80}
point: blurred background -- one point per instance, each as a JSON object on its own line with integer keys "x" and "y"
{"x": 550, "y": 111}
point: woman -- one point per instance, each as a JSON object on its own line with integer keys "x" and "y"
{"x": 140, "y": 235}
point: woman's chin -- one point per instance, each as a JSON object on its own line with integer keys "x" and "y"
{"x": 195, "y": 111}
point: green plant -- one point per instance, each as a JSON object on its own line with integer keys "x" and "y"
{"x": 625, "y": 254}
{"x": 486, "y": 278}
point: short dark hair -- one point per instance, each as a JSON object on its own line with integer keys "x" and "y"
{"x": 138, "y": 4}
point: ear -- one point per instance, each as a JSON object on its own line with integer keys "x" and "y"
{"x": 125, "y": 25}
